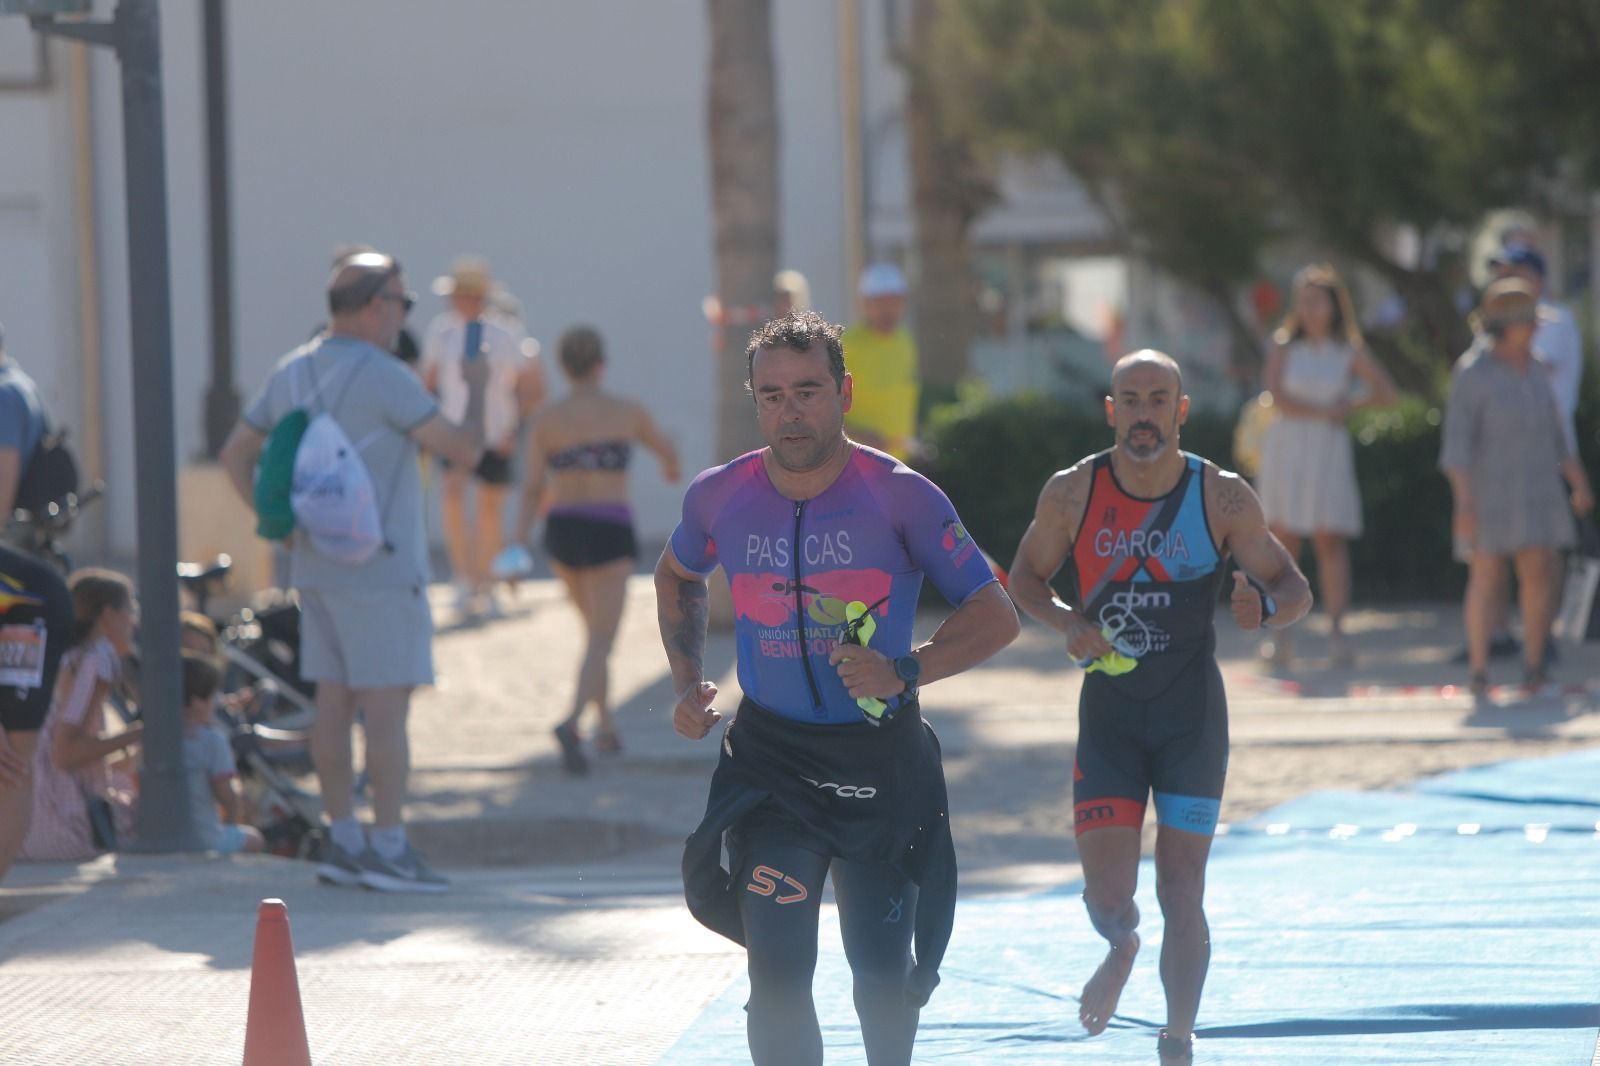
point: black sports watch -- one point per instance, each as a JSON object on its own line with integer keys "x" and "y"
{"x": 908, "y": 668}
{"x": 1269, "y": 606}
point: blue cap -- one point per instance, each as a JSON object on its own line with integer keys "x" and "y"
{"x": 1520, "y": 255}
{"x": 882, "y": 279}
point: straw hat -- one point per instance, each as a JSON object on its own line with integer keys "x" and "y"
{"x": 1508, "y": 301}
{"x": 792, "y": 283}
{"x": 469, "y": 276}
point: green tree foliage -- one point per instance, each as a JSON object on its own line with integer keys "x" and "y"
{"x": 1208, "y": 127}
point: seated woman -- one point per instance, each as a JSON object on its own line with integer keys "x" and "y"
{"x": 73, "y": 765}
{"x": 578, "y": 457}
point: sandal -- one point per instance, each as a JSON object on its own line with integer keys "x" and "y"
{"x": 1178, "y": 1051}
{"x": 572, "y": 757}
{"x": 1480, "y": 685}
{"x": 608, "y": 742}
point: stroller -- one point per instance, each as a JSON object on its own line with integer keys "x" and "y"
{"x": 288, "y": 816}
{"x": 268, "y": 722}
{"x": 266, "y": 709}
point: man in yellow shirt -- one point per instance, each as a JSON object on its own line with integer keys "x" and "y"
{"x": 883, "y": 363}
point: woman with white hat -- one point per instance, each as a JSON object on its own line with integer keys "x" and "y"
{"x": 471, "y": 329}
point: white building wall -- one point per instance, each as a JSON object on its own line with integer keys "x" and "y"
{"x": 180, "y": 39}
{"x": 566, "y": 142}
{"x": 38, "y": 291}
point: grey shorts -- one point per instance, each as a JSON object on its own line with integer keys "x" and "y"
{"x": 366, "y": 638}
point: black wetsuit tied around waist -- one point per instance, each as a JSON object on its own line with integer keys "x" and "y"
{"x": 862, "y": 793}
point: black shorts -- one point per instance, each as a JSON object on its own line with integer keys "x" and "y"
{"x": 578, "y": 542}
{"x": 35, "y": 626}
{"x": 492, "y": 469}
{"x": 1175, "y": 746}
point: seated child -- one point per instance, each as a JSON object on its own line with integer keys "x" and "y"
{"x": 198, "y": 634}
{"x": 208, "y": 764}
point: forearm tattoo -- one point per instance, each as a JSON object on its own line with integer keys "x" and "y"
{"x": 688, "y": 635}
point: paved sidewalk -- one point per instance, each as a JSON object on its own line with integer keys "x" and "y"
{"x": 565, "y": 939}
{"x": 147, "y": 960}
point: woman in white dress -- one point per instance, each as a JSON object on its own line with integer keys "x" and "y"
{"x": 1318, "y": 371}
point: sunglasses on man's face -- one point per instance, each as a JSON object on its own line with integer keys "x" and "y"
{"x": 406, "y": 300}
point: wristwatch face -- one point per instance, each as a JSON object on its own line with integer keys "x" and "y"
{"x": 909, "y": 668}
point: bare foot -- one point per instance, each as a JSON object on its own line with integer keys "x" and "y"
{"x": 1099, "y": 1000}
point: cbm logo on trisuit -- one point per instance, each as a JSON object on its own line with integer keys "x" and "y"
{"x": 1095, "y": 813}
{"x": 1133, "y": 599}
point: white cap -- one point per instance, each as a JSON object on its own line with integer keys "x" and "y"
{"x": 882, "y": 279}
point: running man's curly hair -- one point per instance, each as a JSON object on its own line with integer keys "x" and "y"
{"x": 798, "y": 331}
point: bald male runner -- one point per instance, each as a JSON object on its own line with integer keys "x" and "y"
{"x": 1148, "y": 530}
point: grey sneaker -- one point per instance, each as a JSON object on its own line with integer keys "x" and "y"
{"x": 406, "y": 872}
{"x": 338, "y": 867}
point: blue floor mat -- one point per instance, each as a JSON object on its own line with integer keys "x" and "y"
{"x": 1456, "y": 923}
{"x": 1571, "y": 780}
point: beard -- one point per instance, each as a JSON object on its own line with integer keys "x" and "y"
{"x": 799, "y": 456}
{"x": 1148, "y": 450}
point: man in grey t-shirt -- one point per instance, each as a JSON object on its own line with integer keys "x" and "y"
{"x": 366, "y": 631}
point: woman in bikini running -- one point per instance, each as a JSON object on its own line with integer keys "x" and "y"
{"x": 577, "y": 474}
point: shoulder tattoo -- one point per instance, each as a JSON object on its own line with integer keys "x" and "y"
{"x": 1072, "y": 496}
{"x": 1231, "y": 498}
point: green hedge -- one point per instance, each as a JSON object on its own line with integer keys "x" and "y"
{"x": 1405, "y": 505}
{"x": 993, "y": 456}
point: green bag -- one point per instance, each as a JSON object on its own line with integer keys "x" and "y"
{"x": 275, "y": 476}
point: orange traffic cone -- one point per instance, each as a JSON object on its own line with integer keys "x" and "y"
{"x": 275, "y": 1032}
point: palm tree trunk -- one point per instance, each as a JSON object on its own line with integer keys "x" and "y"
{"x": 743, "y": 128}
{"x": 948, "y": 190}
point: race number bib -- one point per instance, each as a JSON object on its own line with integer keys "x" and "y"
{"x": 22, "y": 655}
